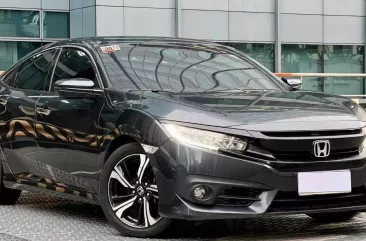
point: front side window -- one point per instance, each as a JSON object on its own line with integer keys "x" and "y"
{"x": 183, "y": 68}
{"x": 35, "y": 71}
{"x": 74, "y": 64}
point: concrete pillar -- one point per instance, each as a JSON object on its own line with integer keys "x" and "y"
{"x": 278, "y": 40}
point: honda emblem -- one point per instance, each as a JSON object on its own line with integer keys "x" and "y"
{"x": 321, "y": 148}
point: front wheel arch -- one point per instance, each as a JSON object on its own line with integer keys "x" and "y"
{"x": 116, "y": 143}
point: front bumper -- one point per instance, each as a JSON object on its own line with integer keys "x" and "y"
{"x": 262, "y": 188}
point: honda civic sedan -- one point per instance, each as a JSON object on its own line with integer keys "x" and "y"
{"x": 160, "y": 129}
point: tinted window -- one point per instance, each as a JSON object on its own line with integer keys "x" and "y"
{"x": 263, "y": 53}
{"x": 15, "y": 23}
{"x": 182, "y": 68}
{"x": 11, "y": 52}
{"x": 74, "y": 64}
{"x": 35, "y": 71}
{"x": 56, "y": 25}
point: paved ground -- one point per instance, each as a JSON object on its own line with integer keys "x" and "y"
{"x": 38, "y": 218}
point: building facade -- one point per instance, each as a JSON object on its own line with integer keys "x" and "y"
{"x": 318, "y": 36}
{"x": 27, "y": 24}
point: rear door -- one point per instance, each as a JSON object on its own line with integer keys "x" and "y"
{"x": 18, "y": 98}
{"x": 67, "y": 124}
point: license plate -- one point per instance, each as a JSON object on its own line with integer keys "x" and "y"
{"x": 326, "y": 182}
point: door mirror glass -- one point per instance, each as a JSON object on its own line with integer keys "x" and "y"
{"x": 79, "y": 83}
{"x": 295, "y": 84}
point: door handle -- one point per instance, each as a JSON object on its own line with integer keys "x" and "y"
{"x": 43, "y": 111}
{"x": 26, "y": 110}
{"x": 3, "y": 101}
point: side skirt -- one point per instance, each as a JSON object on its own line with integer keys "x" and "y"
{"x": 49, "y": 188}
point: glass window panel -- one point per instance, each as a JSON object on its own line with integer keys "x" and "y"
{"x": 74, "y": 64}
{"x": 299, "y": 58}
{"x": 11, "y": 77}
{"x": 343, "y": 59}
{"x": 11, "y": 52}
{"x": 56, "y": 25}
{"x": 34, "y": 72}
{"x": 15, "y": 23}
{"x": 182, "y": 69}
{"x": 263, "y": 53}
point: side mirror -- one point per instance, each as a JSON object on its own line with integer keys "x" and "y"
{"x": 295, "y": 84}
{"x": 80, "y": 83}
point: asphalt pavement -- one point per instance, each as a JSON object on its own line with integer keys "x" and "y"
{"x": 39, "y": 218}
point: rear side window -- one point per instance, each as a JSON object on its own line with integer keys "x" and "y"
{"x": 35, "y": 71}
{"x": 10, "y": 78}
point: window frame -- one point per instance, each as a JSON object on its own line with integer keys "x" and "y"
{"x": 29, "y": 10}
{"x": 43, "y": 12}
{"x": 84, "y": 50}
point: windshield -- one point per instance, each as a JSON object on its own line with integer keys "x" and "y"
{"x": 182, "y": 68}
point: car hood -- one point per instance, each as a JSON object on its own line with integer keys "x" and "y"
{"x": 256, "y": 110}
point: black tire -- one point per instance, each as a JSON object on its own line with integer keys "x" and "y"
{"x": 7, "y": 196}
{"x": 125, "y": 229}
{"x": 333, "y": 217}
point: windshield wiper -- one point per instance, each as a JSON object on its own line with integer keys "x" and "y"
{"x": 242, "y": 90}
{"x": 161, "y": 91}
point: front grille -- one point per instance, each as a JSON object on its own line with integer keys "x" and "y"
{"x": 299, "y": 146}
{"x": 238, "y": 197}
{"x": 291, "y": 201}
{"x": 313, "y": 133}
{"x": 308, "y": 156}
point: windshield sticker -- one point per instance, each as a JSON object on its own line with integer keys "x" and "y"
{"x": 110, "y": 49}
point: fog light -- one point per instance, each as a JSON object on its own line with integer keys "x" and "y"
{"x": 199, "y": 192}
{"x": 202, "y": 192}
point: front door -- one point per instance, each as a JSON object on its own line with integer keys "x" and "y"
{"x": 67, "y": 125}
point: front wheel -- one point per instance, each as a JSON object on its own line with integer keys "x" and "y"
{"x": 332, "y": 217}
{"x": 129, "y": 194}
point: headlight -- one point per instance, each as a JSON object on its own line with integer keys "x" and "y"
{"x": 363, "y": 144}
{"x": 205, "y": 139}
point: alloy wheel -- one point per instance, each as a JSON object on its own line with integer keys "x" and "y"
{"x": 133, "y": 193}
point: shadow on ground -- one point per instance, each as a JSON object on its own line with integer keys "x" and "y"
{"x": 265, "y": 228}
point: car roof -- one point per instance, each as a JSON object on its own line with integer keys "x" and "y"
{"x": 91, "y": 41}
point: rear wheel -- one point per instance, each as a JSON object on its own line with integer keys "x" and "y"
{"x": 332, "y": 217}
{"x": 129, "y": 194}
{"x": 7, "y": 196}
